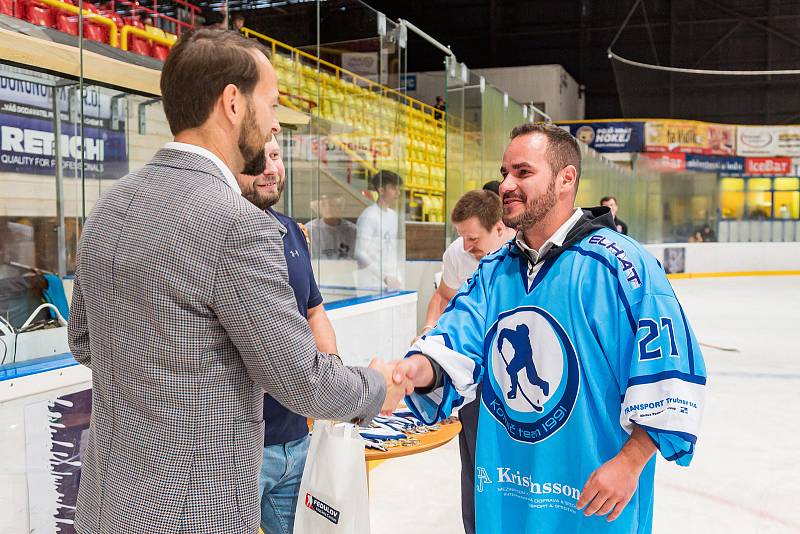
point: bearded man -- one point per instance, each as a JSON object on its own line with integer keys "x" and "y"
{"x": 286, "y": 433}
{"x": 613, "y": 370}
{"x": 183, "y": 310}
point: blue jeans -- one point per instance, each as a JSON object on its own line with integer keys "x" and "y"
{"x": 279, "y": 483}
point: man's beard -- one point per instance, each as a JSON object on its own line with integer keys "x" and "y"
{"x": 251, "y": 146}
{"x": 265, "y": 200}
{"x": 535, "y": 210}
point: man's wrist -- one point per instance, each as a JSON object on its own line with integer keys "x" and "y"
{"x": 427, "y": 328}
{"x": 429, "y": 374}
{"x": 638, "y": 450}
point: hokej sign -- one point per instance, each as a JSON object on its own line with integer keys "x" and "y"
{"x": 28, "y": 139}
{"x": 609, "y": 136}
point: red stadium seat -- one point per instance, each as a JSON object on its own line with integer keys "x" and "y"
{"x": 137, "y": 45}
{"x": 92, "y": 30}
{"x": 8, "y": 7}
{"x": 95, "y": 32}
{"x": 159, "y": 51}
{"x": 67, "y": 22}
{"x": 39, "y": 14}
{"x": 116, "y": 18}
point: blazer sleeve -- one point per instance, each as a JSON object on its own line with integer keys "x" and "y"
{"x": 78, "y": 327}
{"x": 255, "y": 304}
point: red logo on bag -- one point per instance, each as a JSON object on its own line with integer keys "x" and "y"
{"x": 325, "y": 510}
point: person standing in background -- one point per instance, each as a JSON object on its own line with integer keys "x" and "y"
{"x": 332, "y": 236}
{"x": 493, "y": 186}
{"x": 440, "y": 108}
{"x": 611, "y": 202}
{"x": 237, "y": 21}
{"x": 286, "y": 433}
{"x": 378, "y": 237}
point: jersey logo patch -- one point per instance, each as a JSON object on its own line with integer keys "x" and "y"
{"x": 533, "y": 379}
{"x": 519, "y": 339}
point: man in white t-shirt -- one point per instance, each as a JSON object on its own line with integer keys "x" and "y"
{"x": 378, "y": 237}
{"x": 477, "y": 217}
{"x": 332, "y": 237}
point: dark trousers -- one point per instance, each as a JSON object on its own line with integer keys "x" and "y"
{"x": 468, "y": 414}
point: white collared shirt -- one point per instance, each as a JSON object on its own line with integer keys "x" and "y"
{"x": 200, "y": 151}
{"x": 555, "y": 240}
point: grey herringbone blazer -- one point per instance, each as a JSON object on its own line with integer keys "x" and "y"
{"x": 183, "y": 310}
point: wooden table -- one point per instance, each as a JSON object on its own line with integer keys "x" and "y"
{"x": 427, "y": 441}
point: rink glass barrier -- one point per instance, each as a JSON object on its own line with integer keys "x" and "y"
{"x": 344, "y": 81}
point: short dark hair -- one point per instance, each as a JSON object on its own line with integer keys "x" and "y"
{"x": 606, "y": 199}
{"x": 482, "y": 204}
{"x": 384, "y": 178}
{"x": 199, "y": 67}
{"x": 562, "y": 147}
{"x": 493, "y": 186}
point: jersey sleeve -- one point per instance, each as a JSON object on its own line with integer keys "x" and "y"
{"x": 456, "y": 343}
{"x": 664, "y": 388}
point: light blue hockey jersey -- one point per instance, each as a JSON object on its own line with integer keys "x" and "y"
{"x": 568, "y": 363}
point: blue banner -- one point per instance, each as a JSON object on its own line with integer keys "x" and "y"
{"x": 27, "y": 146}
{"x": 727, "y": 165}
{"x": 27, "y": 138}
{"x": 610, "y": 136}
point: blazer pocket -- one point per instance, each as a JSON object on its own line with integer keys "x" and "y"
{"x": 248, "y": 450}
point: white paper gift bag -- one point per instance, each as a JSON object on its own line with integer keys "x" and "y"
{"x": 333, "y": 495}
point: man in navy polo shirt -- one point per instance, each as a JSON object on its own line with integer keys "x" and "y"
{"x": 286, "y": 433}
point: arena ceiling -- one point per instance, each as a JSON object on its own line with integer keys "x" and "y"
{"x": 742, "y": 35}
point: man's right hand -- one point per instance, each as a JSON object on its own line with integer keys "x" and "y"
{"x": 395, "y": 389}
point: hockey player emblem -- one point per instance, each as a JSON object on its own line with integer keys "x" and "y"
{"x": 523, "y": 359}
{"x": 533, "y": 379}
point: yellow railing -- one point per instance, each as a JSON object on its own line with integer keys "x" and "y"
{"x": 132, "y": 30}
{"x": 411, "y": 102}
{"x": 370, "y": 109}
{"x": 116, "y": 37}
{"x": 113, "y": 40}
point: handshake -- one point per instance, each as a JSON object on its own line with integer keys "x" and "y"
{"x": 401, "y": 377}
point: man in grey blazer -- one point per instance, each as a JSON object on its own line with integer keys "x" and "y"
{"x": 183, "y": 311}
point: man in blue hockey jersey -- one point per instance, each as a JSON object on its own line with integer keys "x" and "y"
{"x": 613, "y": 371}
